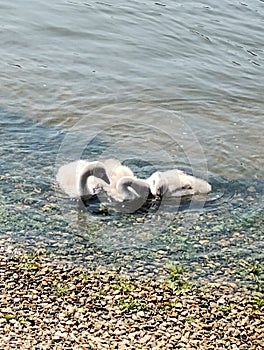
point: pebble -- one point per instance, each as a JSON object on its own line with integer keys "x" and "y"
{"x": 151, "y": 315}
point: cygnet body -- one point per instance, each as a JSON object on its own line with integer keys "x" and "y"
{"x": 176, "y": 183}
{"x": 127, "y": 188}
{"x": 118, "y": 173}
{"x": 73, "y": 177}
{"x": 111, "y": 164}
{"x": 131, "y": 194}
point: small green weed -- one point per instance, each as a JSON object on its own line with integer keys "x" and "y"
{"x": 124, "y": 285}
{"x": 84, "y": 276}
{"x": 189, "y": 319}
{"x": 177, "y": 282}
{"x": 19, "y": 318}
{"x": 252, "y": 269}
{"x": 102, "y": 292}
{"x": 226, "y": 307}
{"x": 168, "y": 305}
{"x": 9, "y": 317}
{"x": 178, "y": 286}
{"x": 30, "y": 261}
{"x": 61, "y": 290}
{"x": 258, "y": 302}
{"x": 132, "y": 304}
{"x": 174, "y": 270}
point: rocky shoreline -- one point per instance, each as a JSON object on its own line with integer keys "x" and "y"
{"x": 49, "y": 305}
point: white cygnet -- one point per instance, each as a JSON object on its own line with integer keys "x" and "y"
{"x": 128, "y": 188}
{"x": 119, "y": 172}
{"x": 73, "y": 177}
{"x": 176, "y": 183}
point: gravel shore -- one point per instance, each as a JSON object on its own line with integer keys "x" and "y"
{"x": 49, "y": 305}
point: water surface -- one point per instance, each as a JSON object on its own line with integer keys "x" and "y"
{"x": 156, "y": 85}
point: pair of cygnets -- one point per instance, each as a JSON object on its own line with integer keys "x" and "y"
{"x": 82, "y": 178}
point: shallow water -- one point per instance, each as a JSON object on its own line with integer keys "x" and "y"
{"x": 227, "y": 229}
{"x": 154, "y": 85}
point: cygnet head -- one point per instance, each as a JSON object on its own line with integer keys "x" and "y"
{"x": 157, "y": 183}
{"x": 130, "y": 188}
{"x": 96, "y": 185}
{"x": 97, "y": 169}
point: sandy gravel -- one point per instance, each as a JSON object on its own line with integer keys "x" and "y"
{"x": 46, "y": 305}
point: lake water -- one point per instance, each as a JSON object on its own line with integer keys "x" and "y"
{"x": 154, "y": 84}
